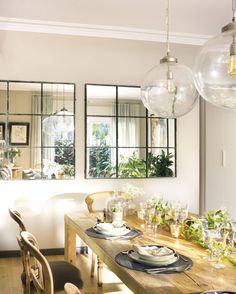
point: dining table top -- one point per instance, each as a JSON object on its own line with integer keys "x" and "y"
{"x": 201, "y": 277}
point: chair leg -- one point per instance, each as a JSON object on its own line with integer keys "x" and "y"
{"x": 99, "y": 271}
{"x": 93, "y": 265}
{"x": 27, "y": 286}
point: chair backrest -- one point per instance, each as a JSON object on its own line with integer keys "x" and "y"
{"x": 37, "y": 267}
{"x": 16, "y": 216}
{"x": 71, "y": 289}
{"x": 102, "y": 195}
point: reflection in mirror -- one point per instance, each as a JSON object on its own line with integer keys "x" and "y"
{"x": 101, "y": 101}
{"x": 3, "y": 97}
{"x": 122, "y": 139}
{"x": 37, "y": 128}
{"x": 129, "y": 103}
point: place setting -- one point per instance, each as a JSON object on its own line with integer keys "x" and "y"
{"x": 154, "y": 259}
{"x": 115, "y": 230}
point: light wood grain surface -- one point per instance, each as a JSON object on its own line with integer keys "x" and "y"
{"x": 201, "y": 277}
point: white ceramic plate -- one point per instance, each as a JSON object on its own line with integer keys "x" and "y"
{"x": 135, "y": 256}
{"x": 170, "y": 253}
{"x": 112, "y": 232}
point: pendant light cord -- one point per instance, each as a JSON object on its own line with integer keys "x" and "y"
{"x": 167, "y": 27}
{"x": 234, "y": 10}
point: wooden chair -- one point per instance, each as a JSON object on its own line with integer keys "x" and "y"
{"x": 102, "y": 195}
{"x": 90, "y": 199}
{"x": 62, "y": 271}
{"x": 16, "y": 216}
{"x": 38, "y": 268}
{"x": 71, "y": 289}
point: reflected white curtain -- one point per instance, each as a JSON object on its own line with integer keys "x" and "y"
{"x": 158, "y": 134}
{"x": 48, "y": 140}
{"x": 129, "y": 128}
{"x": 35, "y": 132}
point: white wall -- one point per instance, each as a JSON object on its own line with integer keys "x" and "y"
{"x": 44, "y": 57}
{"x": 220, "y": 136}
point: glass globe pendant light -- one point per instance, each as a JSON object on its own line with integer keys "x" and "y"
{"x": 60, "y": 122}
{"x": 168, "y": 90}
{"x": 215, "y": 67}
{"x": 63, "y": 121}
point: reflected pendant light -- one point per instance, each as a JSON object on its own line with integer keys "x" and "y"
{"x": 215, "y": 67}
{"x": 168, "y": 90}
{"x": 60, "y": 122}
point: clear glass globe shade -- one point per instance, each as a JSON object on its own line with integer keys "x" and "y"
{"x": 63, "y": 121}
{"x": 211, "y": 72}
{"x": 156, "y": 93}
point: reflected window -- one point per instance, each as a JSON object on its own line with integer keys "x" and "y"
{"x": 123, "y": 140}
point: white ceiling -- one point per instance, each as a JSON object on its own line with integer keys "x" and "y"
{"x": 194, "y": 17}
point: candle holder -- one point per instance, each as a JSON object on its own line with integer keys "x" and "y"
{"x": 175, "y": 230}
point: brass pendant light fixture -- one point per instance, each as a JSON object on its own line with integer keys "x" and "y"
{"x": 168, "y": 89}
{"x": 215, "y": 67}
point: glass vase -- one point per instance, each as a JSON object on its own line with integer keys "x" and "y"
{"x": 130, "y": 207}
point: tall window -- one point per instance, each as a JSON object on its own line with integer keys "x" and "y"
{"x": 122, "y": 139}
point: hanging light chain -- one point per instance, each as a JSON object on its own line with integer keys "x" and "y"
{"x": 167, "y": 26}
{"x": 234, "y": 10}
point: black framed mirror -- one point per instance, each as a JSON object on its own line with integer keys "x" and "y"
{"x": 124, "y": 140}
{"x": 37, "y": 134}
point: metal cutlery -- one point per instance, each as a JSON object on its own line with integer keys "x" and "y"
{"x": 158, "y": 270}
{"x": 117, "y": 238}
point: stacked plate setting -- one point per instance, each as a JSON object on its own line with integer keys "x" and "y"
{"x": 111, "y": 229}
{"x": 153, "y": 255}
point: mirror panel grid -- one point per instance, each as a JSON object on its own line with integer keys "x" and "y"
{"x": 37, "y": 130}
{"x": 123, "y": 140}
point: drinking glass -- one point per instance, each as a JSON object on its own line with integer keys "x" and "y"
{"x": 216, "y": 241}
{"x": 154, "y": 219}
{"x": 180, "y": 211}
{"x": 183, "y": 212}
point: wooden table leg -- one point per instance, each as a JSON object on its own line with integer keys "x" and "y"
{"x": 100, "y": 272}
{"x": 93, "y": 264}
{"x": 70, "y": 244}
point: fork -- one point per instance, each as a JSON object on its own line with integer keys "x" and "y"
{"x": 158, "y": 270}
{"x": 117, "y": 238}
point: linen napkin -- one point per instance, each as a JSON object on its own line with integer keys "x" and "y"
{"x": 152, "y": 250}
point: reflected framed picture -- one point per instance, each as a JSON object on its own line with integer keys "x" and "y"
{"x": 2, "y": 131}
{"x": 19, "y": 133}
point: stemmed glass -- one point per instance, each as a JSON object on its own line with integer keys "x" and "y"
{"x": 215, "y": 239}
{"x": 180, "y": 211}
{"x": 183, "y": 212}
{"x": 217, "y": 243}
{"x": 154, "y": 219}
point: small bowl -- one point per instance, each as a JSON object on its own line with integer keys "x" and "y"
{"x": 156, "y": 257}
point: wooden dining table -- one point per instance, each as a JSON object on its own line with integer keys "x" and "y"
{"x": 201, "y": 277}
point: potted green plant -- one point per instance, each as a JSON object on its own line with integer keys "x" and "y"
{"x": 12, "y": 154}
